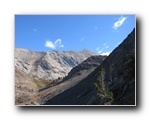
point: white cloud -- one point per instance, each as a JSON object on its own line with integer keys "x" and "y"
{"x": 105, "y": 46}
{"x": 98, "y": 50}
{"x": 119, "y": 22}
{"x": 50, "y": 44}
{"x": 105, "y": 53}
{"x": 57, "y": 43}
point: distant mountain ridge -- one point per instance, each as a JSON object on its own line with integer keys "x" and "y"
{"x": 48, "y": 65}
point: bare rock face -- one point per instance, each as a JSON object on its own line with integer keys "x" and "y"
{"x": 48, "y": 65}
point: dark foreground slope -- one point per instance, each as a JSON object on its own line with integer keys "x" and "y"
{"x": 119, "y": 72}
{"x": 75, "y": 76}
{"x": 113, "y": 82}
{"x": 80, "y": 94}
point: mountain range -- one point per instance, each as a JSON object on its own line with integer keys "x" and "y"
{"x": 76, "y": 78}
{"x": 35, "y": 70}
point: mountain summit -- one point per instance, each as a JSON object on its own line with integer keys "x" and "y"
{"x": 48, "y": 65}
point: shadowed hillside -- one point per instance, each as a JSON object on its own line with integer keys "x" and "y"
{"x": 112, "y": 83}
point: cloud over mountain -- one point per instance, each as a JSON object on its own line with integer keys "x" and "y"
{"x": 54, "y": 45}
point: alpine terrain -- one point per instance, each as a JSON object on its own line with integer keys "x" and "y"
{"x": 76, "y": 78}
{"x": 111, "y": 83}
{"x": 35, "y": 70}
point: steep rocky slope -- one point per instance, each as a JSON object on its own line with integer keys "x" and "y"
{"x": 119, "y": 72}
{"x": 25, "y": 88}
{"x": 82, "y": 93}
{"x": 35, "y": 70}
{"x": 89, "y": 64}
{"x": 75, "y": 76}
{"x": 113, "y": 82}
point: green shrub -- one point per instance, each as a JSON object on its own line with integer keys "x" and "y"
{"x": 102, "y": 91}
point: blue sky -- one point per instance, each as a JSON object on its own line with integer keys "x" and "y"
{"x": 97, "y": 33}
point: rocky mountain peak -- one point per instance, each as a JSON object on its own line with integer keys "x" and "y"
{"x": 48, "y": 65}
{"x": 86, "y": 51}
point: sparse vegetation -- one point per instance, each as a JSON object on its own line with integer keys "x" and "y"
{"x": 41, "y": 83}
{"x": 103, "y": 92}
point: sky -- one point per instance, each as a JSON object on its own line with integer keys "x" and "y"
{"x": 100, "y": 34}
